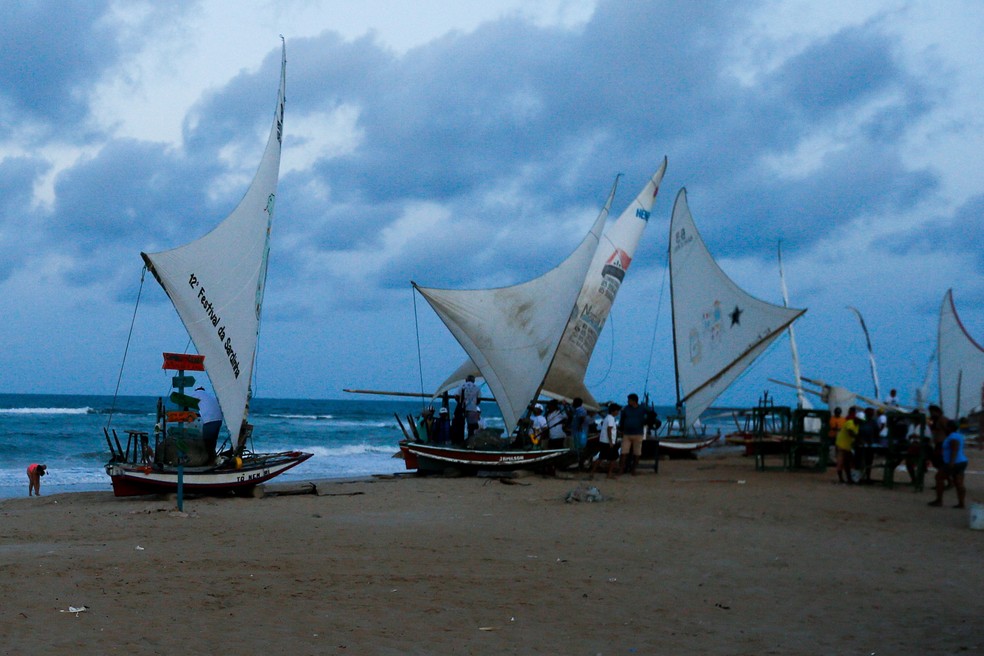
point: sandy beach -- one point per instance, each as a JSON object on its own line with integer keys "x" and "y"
{"x": 706, "y": 557}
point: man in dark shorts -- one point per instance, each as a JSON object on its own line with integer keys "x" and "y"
{"x": 954, "y": 463}
{"x": 632, "y": 423}
{"x": 609, "y": 441}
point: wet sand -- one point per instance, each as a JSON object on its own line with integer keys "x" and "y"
{"x": 708, "y": 556}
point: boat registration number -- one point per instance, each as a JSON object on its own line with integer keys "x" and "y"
{"x": 254, "y": 475}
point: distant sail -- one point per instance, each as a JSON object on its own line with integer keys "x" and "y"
{"x": 216, "y": 282}
{"x": 961, "y": 363}
{"x": 512, "y": 333}
{"x": 718, "y": 328}
{"x": 871, "y": 351}
{"x": 565, "y": 380}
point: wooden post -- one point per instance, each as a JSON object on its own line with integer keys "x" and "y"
{"x": 180, "y": 481}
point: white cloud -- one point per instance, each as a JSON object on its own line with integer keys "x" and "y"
{"x": 322, "y": 135}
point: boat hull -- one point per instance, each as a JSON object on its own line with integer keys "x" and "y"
{"x": 132, "y": 479}
{"x": 676, "y": 447}
{"x": 687, "y": 444}
{"x": 437, "y": 458}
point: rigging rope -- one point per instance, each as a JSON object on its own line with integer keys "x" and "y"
{"x": 652, "y": 345}
{"x": 133, "y": 320}
{"x": 420, "y": 365}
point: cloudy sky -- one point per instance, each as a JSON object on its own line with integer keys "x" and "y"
{"x": 471, "y": 144}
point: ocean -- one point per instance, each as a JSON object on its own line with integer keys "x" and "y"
{"x": 348, "y": 438}
{"x": 65, "y": 432}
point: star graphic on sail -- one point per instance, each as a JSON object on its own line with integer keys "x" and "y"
{"x": 736, "y": 316}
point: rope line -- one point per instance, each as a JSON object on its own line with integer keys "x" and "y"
{"x": 652, "y": 344}
{"x": 133, "y": 320}
{"x": 420, "y": 362}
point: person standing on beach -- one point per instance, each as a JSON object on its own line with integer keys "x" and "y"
{"x": 538, "y": 427}
{"x": 845, "y": 447}
{"x": 836, "y": 423}
{"x": 954, "y": 464}
{"x": 893, "y": 399}
{"x": 556, "y": 418}
{"x": 865, "y": 444}
{"x": 936, "y": 424}
{"x": 579, "y": 424}
{"x": 592, "y": 441}
{"x": 632, "y": 421}
{"x": 609, "y": 441}
{"x": 442, "y": 427}
{"x": 211, "y": 415}
{"x": 34, "y": 474}
{"x": 468, "y": 396}
{"x": 980, "y": 420}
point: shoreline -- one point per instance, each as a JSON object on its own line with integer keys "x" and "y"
{"x": 708, "y": 556}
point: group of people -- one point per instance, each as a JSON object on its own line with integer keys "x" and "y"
{"x": 862, "y": 433}
{"x": 622, "y": 431}
{"x": 446, "y": 427}
{"x": 610, "y": 440}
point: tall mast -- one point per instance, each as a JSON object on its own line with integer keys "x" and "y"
{"x": 800, "y": 395}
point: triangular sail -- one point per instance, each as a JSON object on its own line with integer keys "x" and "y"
{"x": 565, "y": 380}
{"x": 961, "y": 363}
{"x": 512, "y": 333}
{"x": 718, "y": 328}
{"x": 611, "y": 261}
{"x": 216, "y": 282}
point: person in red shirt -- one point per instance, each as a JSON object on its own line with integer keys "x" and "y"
{"x": 34, "y": 474}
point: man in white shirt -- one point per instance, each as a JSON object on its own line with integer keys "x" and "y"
{"x": 211, "y": 416}
{"x": 468, "y": 396}
{"x": 609, "y": 441}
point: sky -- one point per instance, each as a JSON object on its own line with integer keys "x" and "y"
{"x": 471, "y": 144}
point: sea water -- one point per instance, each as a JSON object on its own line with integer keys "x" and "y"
{"x": 349, "y": 438}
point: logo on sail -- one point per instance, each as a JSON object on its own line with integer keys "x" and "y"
{"x": 216, "y": 322}
{"x": 613, "y": 273}
{"x": 681, "y": 239}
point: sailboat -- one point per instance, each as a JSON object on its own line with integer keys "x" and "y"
{"x": 961, "y": 364}
{"x": 565, "y": 379}
{"x": 718, "y": 328}
{"x": 512, "y": 334}
{"x": 216, "y": 285}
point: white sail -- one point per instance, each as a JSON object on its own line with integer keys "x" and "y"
{"x": 871, "y": 351}
{"x": 961, "y": 363}
{"x": 216, "y": 282}
{"x": 565, "y": 380}
{"x": 512, "y": 333}
{"x": 718, "y": 328}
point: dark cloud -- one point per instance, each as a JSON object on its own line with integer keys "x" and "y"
{"x": 18, "y": 217}
{"x": 515, "y": 128}
{"x": 552, "y": 115}
{"x": 957, "y": 234}
{"x": 812, "y": 94}
{"x": 132, "y": 189}
{"x": 56, "y": 51}
{"x": 749, "y": 213}
{"x": 840, "y": 72}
